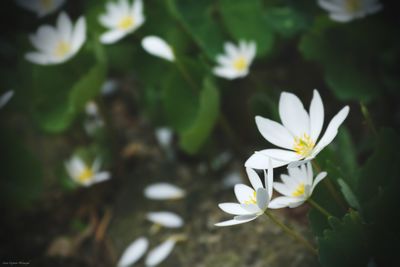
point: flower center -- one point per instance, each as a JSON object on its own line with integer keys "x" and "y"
{"x": 62, "y": 49}
{"x": 86, "y": 175}
{"x": 353, "y": 5}
{"x": 299, "y": 190}
{"x": 303, "y": 145}
{"x": 46, "y": 4}
{"x": 252, "y": 199}
{"x": 126, "y": 23}
{"x": 240, "y": 63}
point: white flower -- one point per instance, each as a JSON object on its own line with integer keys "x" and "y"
{"x": 236, "y": 61}
{"x": 121, "y": 18}
{"x": 160, "y": 253}
{"x": 297, "y": 187}
{"x": 156, "y": 46}
{"x": 164, "y": 136}
{"x": 165, "y": 218}
{"x": 163, "y": 191}
{"x": 85, "y": 175}
{"x": 4, "y": 98}
{"x": 347, "y": 10}
{"x": 41, "y": 7}
{"x": 94, "y": 121}
{"x": 57, "y": 44}
{"x": 133, "y": 252}
{"x": 298, "y": 135}
{"x": 252, "y": 201}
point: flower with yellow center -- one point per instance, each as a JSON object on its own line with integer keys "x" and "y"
{"x": 57, "y": 44}
{"x": 85, "y": 175}
{"x": 252, "y": 201}
{"x": 348, "y": 10}
{"x": 121, "y": 18}
{"x": 297, "y": 135}
{"x": 236, "y": 60}
{"x": 296, "y": 187}
{"x": 41, "y": 7}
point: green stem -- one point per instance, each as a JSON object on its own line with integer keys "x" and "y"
{"x": 318, "y": 207}
{"x": 292, "y": 233}
{"x": 186, "y": 75}
{"x": 368, "y": 120}
{"x": 331, "y": 188}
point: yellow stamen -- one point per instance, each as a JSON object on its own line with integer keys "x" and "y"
{"x": 126, "y": 23}
{"x": 353, "y": 5}
{"x": 86, "y": 175}
{"x": 240, "y": 63}
{"x": 252, "y": 199}
{"x": 299, "y": 190}
{"x": 303, "y": 145}
{"x": 62, "y": 49}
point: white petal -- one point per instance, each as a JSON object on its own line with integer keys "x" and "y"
{"x": 101, "y": 177}
{"x": 297, "y": 203}
{"x": 112, "y": 36}
{"x": 235, "y": 222}
{"x": 137, "y": 8}
{"x": 231, "y": 50}
{"x": 164, "y": 136}
{"x": 330, "y": 6}
{"x": 274, "y": 133}
{"x": 282, "y": 188}
{"x": 4, "y": 98}
{"x": 254, "y": 179}
{"x": 160, "y": 253}
{"x": 37, "y": 58}
{"x": 332, "y": 130}
{"x": 260, "y": 161}
{"x": 64, "y": 27}
{"x": 269, "y": 178}
{"x": 295, "y": 164}
{"x": 341, "y": 17}
{"x": 310, "y": 173}
{"x": 318, "y": 179}
{"x": 224, "y": 60}
{"x": 316, "y": 116}
{"x": 79, "y": 34}
{"x": 250, "y": 208}
{"x": 281, "y": 202}
{"x": 233, "y": 208}
{"x": 245, "y": 218}
{"x": 165, "y": 218}
{"x": 156, "y": 46}
{"x": 133, "y": 252}
{"x": 281, "y": 154}
{"x": 227, "y": 73}
{"x": 293, "y": 115}
{"x": 243, "y": 192}
{"x": 163, "y": 191}
{"x": 262, "y": 198}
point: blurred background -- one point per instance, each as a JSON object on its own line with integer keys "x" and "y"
{"x": 150, "y": 120}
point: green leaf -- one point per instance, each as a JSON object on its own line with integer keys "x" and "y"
{"x": 348, "y": 54}
{"x": 245, "y": 20}
{"x": 57, "y": 113}
{"x": 287, "y": 21}
{"x": 348, "y": 194}
{"x": 345, "y": 244}
{"x": 197, "y": 18}
{"x": 207, "y": 115}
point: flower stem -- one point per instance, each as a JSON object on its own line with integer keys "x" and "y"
{"x": 186, "y": 75}
{"x": 368, "y": 120}
{"x": 319, "y": 208}
{"x": 292, "y": 233}
{"x": 331, "y": 188}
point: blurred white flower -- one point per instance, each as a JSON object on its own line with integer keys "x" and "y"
{"x": 298, "y": 135}
{"x": 86, "y": 175}
{"x": 57, "y": 44}
{"x": 252, "y": 201}
{"x": 160, "y": 253}
{"x": 4, "y": 98}
{"x": 163, "y": 191}
{"x": 121, "y": 18}
{"x": 347, "y": 10}
{"x": 164, "y": 136}
{"x": 41, "y": 7}
{"x": 236, "y": 60}
{"x": 109, "y": 87}
{"x": 297, "y": 187}
{"x": 93, "y": 121}
{"x": 156, "y": 46}
{"x": 165, "y": 218}
{"x": 133, "y": 252}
